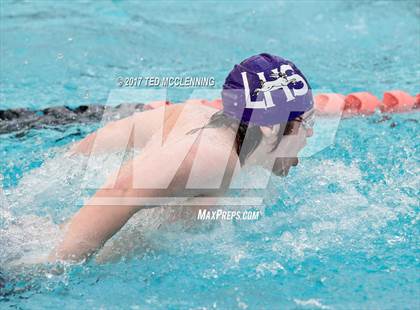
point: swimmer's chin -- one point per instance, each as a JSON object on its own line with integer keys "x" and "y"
{"x": 281, "y": 171}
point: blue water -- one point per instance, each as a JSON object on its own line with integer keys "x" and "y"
{"x": 340, "y": 232}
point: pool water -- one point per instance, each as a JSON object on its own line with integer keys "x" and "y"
{"x": 340, "y": 232}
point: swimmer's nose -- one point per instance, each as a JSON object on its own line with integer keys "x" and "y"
{"x": 309, "y": 132}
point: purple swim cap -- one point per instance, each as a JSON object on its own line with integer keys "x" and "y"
{"x": 266, "y": 90}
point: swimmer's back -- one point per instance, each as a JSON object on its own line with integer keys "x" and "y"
{"x": 171, "y": 121}
{"x": 180, "y": 118}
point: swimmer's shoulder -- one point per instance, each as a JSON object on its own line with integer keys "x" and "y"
{"x": 178, "y": 115}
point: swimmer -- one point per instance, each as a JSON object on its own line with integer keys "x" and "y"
{"x": 185, "y": 143}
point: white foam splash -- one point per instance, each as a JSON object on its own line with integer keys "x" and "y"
{"x": 311, "y": 303}
{"x": 326, "y": 219}
{"x": 272, "y": 268}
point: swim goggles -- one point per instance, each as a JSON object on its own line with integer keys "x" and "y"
{"x": 307, "y": 119}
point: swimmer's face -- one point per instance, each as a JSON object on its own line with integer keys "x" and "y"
{"x": 292, "y": 142}
{"x": 293, "y": 139}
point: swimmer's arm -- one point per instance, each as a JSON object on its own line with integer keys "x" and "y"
{"x": 118, "y": 135}
{"x": 94, "y": 224}
{"x": 89, "y": 229}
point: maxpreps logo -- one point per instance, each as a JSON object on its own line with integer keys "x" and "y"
{"x": 227, "y": 215}
{"x": 282, "y": 80}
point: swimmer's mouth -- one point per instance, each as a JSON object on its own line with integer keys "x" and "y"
{"x": 281, "y": 168}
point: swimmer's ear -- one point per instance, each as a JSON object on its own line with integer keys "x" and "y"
{"x": 270, "y": 131}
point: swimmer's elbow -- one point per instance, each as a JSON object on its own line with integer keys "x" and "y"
{"x": 83, "y": 146}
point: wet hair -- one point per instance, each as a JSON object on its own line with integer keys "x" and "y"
{"x": 252, "y": 133}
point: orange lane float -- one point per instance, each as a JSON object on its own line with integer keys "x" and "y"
{"x": 397, "y": 101}
{"x": 364, "y": 103}
{"x": 217, "y": 104}
{"x": 329, "y": 103}
{"x": 359, "y": 103}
